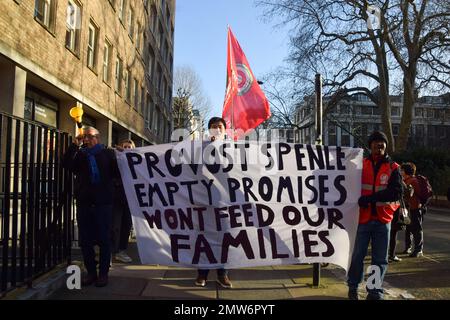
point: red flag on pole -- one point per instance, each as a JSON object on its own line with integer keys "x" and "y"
{"x": 245, "y": 106}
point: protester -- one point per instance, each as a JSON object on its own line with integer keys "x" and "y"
{"x": 396, "y": 226}
{"x": 216, "y": 127}
{"x": 381, "y": 191}
{"x": 121, "y": 223}
{"x": 415, "y": 229}
{"x": 94, "y": 167}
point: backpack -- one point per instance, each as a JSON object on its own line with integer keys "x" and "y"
{"x": 426, "y": 191}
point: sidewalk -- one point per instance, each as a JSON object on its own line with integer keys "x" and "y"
{"x": 134, "y": 281}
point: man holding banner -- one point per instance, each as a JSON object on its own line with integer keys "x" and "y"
{"x": 381, "y": 191}
{"x": 216, "y": 127}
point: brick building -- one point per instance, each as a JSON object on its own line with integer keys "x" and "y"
{"x": 114, "y": 57}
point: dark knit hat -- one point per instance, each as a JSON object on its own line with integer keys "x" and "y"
{"x": 377, "y": 136}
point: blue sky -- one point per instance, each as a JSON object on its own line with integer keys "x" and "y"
{"x": 201, "y": 39}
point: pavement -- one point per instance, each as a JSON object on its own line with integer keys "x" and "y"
{"x": 427, "y": 277}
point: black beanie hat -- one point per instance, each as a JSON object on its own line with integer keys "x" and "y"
{"x": 378, "y": 136}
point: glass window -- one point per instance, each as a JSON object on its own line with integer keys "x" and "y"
{"x": 107, "y": 51}
{"x": 395, "y": 111}
{"x": 131, "y": 23}
{"x": 121, "y": 10}
{"x": 345, "y": 109}
{"x": 41, "y": 109}
{"x": 419, "y": 130}
{"x": 73, "y": 26}
{"x": 136, "y": 94}
{"x": 44, "y": 12}
{"x": 345, "y": 134}
{"x": 395, "y": 129}
{"x": 92, "y": 45}
{"x": 154, "y": 18}
{"x": 138, "y": 37}
{"x": 118, "y": 75}
{"x": 366, "y": 110}
{"x": 418, "y": 112}
{"x": 128, "y": 86}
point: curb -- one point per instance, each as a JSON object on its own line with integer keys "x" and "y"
{"x": 44, "y": 287}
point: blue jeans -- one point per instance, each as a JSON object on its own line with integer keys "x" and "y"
{"x": 378, "y": 234}
{"x": 94, "y": 227}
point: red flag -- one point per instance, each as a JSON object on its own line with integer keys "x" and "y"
{"x": 245, "y": 105}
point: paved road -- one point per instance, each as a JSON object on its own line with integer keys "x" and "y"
{"x": 427, "y": 277}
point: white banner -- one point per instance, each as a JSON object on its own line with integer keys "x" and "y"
{"x": 225, "y": 204}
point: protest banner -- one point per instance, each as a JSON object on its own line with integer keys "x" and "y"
{"x": 240, "y": 204}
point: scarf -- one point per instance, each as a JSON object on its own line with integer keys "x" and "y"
{"x": 93, "y": 168}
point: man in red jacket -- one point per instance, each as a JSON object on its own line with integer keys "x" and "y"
{"x": 380, "y": 195}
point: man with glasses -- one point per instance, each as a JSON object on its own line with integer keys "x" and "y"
{"x": 95, "y": 167}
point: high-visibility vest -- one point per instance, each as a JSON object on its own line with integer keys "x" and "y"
{"x": 370, "y": 185}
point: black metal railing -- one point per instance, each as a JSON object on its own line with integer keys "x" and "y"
{"x": 36, "y": 211}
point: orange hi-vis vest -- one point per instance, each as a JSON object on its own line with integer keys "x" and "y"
{"x": 370, "y": 184}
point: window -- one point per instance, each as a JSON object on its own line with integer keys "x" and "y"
{"x": 41, "y": 108}
{"x": 419, "y": 130}
{"x": 366, "y": 110}
{"x": 73, "y": 26}
{"x": 122, "y": 10}
{"x": 128, "y": 86}
{"x": 331, "y": 134}
{"x": 168, "y": 17}
{"x": 131, "y": 23}
{"x": 395, "y": 129}
{"x": 161, "y": 37}
{"x": 395, "y": 111}
{"x": 430, "y": 113}
{"x": 345, "y": 135}
{"x": 142, "y": 108}
{"x": 148, "y": 112}
{"x": 154, "y": 18}
{"x": 107, "y": 51}
{"x": 138, "y": 37}
{"x": 118, "y": 75}
{"x": 345, "y": 109}
{"x": 159, "y": 78}
{"x": 376, "y": 111}
{"x": 151, "y": 58}
{"x": 44, "y": 12}
{"x": 92, "y": 46}
{"x": 136, "y": 94}
{"x": 418, "y": 112}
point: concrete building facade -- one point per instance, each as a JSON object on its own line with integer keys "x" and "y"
{"x": 113, "y": 57}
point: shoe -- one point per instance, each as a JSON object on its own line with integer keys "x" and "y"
{"x": 200, "y": 281}
{"x": 88, "y": 280}
{"x": 225, "y": 282}
{"x": 407, "y": 251}
{"x": 416, "y": 254}
{"x": 123, "y": 257}
{"x": 371, "y": 296}
{"x": 394, "y": 259}
{"x": 102, "y": 281}
{"x": 353, "y": 294}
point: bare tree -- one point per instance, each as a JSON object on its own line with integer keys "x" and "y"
{"x": 187, "y": 84}
{"x": 340, "y": 40}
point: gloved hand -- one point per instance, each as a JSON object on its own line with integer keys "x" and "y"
{"x": 364, "y": 201}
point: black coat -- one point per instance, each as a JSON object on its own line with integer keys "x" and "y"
{"x": 85, "y": 192}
